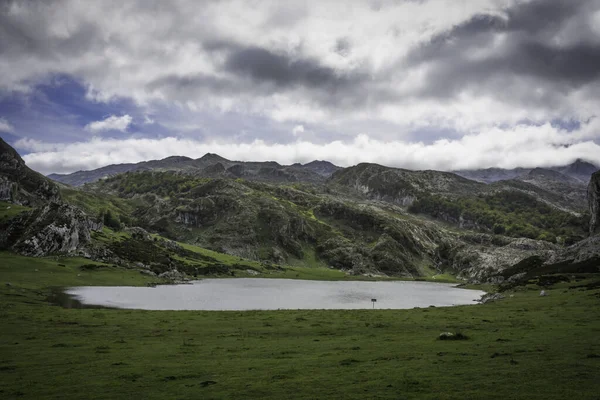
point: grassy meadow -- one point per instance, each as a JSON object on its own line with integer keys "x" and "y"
{"x": 523, "y": 347}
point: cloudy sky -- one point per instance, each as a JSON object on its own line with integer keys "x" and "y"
{"x": 437, "y": 84}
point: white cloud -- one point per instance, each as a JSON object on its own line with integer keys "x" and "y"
{"x": 520, "y": 146}
{"x": 298, "y": 129}
{"x": 112, "y": 123}
{"x": 188, "y": 34}
{"x": 5, "y": 126}
{"x": 179, "y": 61}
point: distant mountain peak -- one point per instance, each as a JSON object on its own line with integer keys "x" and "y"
{"x": 583, "y": 165}
{"x": 212, "y": 157}
{"x": 320, "y": 162}
{"x": 321, "y": 167}
{"x": 548, "y": 174}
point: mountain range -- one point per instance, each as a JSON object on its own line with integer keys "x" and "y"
{"x": 365, "y": 219}
{"x": 569, "y": 182}
{"x": 211, "y": 165}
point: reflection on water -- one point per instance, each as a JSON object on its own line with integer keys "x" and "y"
{"x": 273, "y": 294}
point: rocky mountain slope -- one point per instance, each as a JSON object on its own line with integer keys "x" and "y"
{"x": 367, "y": 219}
{"x": 580, "y": 257}
{"x": 49, "y": 225}
{"x": 314, "y": 224}
{"x": 276, "y": 223}
{"x": 510, "y": 207}
{"x": 21, "y": 185}
{"x": 50, "y": 229}
{"x": 210, "y": 165}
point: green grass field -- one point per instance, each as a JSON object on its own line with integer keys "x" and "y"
{"x": 9, "y": 210}
{"x": 523, "y": 347}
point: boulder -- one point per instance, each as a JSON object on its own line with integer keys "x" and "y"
{"x": 173, "y": 275}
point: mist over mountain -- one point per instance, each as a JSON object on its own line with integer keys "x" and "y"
{"x": 580, "y": 171}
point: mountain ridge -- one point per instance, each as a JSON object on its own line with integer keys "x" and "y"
{"x": 576, "y": 174}
{"x": 314, "y": 171}
{"x": 365, "y": 219}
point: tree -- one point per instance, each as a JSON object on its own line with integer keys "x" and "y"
{"x": 499, "y": 229}
{"x": 111, "y": 221}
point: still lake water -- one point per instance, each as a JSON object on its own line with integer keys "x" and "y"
{"x": 274, "y": 294}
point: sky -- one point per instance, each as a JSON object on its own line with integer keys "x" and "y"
{"x": 419, "y": 84}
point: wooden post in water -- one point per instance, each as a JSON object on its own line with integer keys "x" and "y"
{"x": 373, "y": 301}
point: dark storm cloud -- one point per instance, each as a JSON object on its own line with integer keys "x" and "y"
{"x": 527, "y": 55}
{"x": 577, "y": 64}
{"x": 540, "y": 15}
{"x": 256, "y": 71}
{"x": 27, "y": 33}
{"x": 263, "y": 65}
{"x": 535, "y": 17}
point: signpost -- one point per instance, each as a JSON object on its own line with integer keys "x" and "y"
{"x": 373, "y": 301}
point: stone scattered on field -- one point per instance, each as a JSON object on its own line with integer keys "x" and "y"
{"x": 490, "y": 297}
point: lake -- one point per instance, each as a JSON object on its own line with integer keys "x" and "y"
{"x": 274, "y": 294}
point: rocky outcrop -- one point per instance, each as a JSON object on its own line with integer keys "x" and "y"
{"x": 19, "y": 184}
{"x": 594, "y": 203}
{"x": 8, "y": 189}
{"x": 173, "y": 275}
{"x": 138, "y": 233}
{"x": 581, "y": 251}
{"x": 481, "y": 257}
{"x": 52, "y": 229}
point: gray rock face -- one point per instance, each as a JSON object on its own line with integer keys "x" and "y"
{"x": 52, "y": 229}
{"x": 138, "y": 233}
{"x": 173, "y": 275}
{"x": 491, "y": 297}
{"x": 579, "y": 252}
{"x": 594, "y": 203}
{"x": 19, "y": 184}
{"x": 478, "y": 260}
{"x": 7, "y": 189}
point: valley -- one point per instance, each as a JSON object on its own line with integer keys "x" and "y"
{"x": 511, "y": 238}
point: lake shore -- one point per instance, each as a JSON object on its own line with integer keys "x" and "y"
{"x": 243, "y": 294}
{"x": 50, "y": 352}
